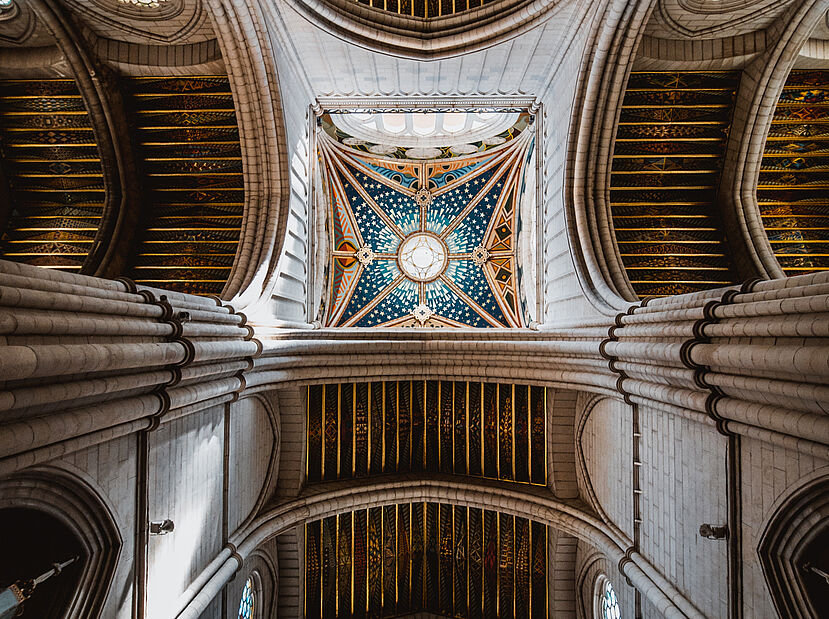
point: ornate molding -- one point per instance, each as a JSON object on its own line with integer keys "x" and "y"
{"x": 431, "y": 104}
{"x": 412, "y": 37}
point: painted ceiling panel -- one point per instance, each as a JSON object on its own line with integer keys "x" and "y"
{"x": 187, "y": 143}
{"x": 424, "y": 238}
{"x": 464, "y": 428}
{"x": 666, "y": 166}
{"x": 51, "y": 161}
{"x": 425, "y": 557}
{"x": 793, "y": 188}
{"x": 425, "y": 8}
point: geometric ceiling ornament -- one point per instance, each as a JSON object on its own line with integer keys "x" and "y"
{"x": 424, "y": 243}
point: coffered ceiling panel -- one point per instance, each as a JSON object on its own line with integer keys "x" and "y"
{"x": 187, "y": 141}
{"x": 50, "y": 157}
{"x": 465, "y": 428}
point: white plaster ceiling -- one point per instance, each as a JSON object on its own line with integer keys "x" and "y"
{"x": 331, "y": 67}
{"x": 424, "y": 128}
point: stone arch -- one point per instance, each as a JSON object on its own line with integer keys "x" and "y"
{"x": 75, "y": 505}
{"x": 593, "y": 571}
{"x": 591, "y": 566}
{"x": 796, "y": 531}
{"x": 588, "y": 404}
{"x": 604, "y": 73}
{"x": 262, "y": 407}
{"x": 251, "y": 68}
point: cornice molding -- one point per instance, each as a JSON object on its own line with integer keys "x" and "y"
{"x": 421, "y": 104}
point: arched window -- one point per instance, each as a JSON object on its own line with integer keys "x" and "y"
{"x": 606, "y": 606}
{"x": 247, "y": 604}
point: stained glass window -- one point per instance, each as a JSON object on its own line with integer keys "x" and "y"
{"x": 248, "y": 601}
{"x": 609, "y": 603}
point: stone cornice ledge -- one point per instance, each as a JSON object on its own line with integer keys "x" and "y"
{"x": 521, "y": 355}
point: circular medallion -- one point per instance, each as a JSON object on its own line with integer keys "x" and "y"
{"x": 422, "y": 256}
{"x": 480, "y": 255}
{"x": 423, "y": 197}
{"x": 365, "y": 255}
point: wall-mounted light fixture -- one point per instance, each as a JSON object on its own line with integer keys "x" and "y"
{"x": 710, "y": 532}
{"x": 162, "y": 527}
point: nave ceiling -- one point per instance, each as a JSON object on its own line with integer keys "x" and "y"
{"x": 196, "y": 238}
